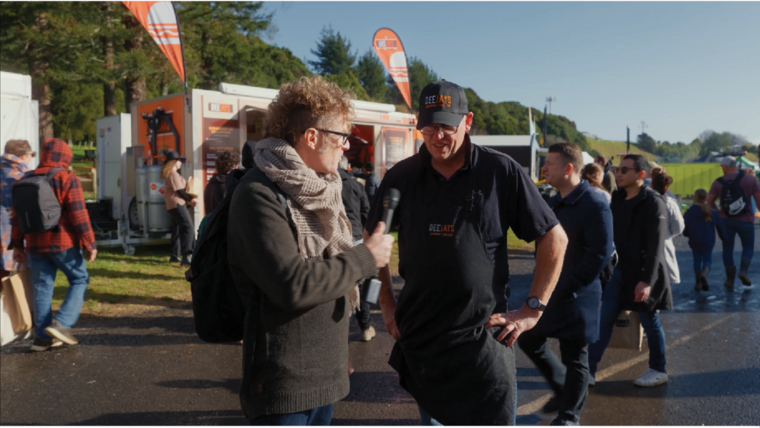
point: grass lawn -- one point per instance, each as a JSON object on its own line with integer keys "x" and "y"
{"x": 82, "y": 166}
{"x": 122, "y": 284}
{"x": 613, "y": 148}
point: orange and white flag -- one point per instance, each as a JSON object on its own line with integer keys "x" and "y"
{"x": 160, "y": 19}
{"x": 388, "y": 47}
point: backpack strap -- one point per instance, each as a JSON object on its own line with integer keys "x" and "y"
{"x": 721, "y": 181}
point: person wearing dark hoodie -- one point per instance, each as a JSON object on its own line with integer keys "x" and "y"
{"x": 215, "y": 189}
{"x": 292, "y": 258}
{"x": 357, "y": 207}
{"x": 59, "y": 248}
{"x": 640, "y": 281}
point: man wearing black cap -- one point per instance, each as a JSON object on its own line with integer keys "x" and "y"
{"x": 454, "y": 335}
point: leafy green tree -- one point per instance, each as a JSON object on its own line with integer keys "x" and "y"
{"x": 333, "y": 53}
{"x": 37, "y": 40}
{"x": 217, "y": 39}
{"x": 646, "y": 142}
{"x": 371, "y": 74}
{"x": 347, "y": 80}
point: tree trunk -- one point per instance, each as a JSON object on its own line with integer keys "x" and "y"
{"x": 109, "y": 86}
{"x": 41, "y": 89}
{"x": 135, "y": 82}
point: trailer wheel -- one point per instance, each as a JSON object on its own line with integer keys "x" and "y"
{"x": 133, "y": 218}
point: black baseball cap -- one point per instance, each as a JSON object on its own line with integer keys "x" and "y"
{"x": 442, "y": 102}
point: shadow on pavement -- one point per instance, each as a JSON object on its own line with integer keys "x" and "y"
{"x": 232, "y": 385}
{"x": 212, "y": 417}
{"x": 713, "y": 384}
{"x": 377, "y": 387}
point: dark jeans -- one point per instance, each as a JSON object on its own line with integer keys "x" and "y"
{"x": 746, "y": 232}
{"x": 612, "y": 305}
{"x": 182, "y": 231}
{"x": 319, "y": 416}
{"x": 568, "y": 379}
{"x": 701, "y": 260}
{"x": 363, "y": 315}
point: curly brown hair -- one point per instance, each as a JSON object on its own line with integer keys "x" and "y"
{"x": 226, "y": 162}
{"x": 305, "y": 103}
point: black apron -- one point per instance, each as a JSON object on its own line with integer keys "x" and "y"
{"x": 446, "y": 358}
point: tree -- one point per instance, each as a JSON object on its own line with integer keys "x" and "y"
{"x": 217, "y": 37}
{"x": 371, "y": 74}
{"x": 37, "y": 41}
{"x": 333, "y": 53}
{"x": 646, "y": 142}
{"x": 347, "y": 80}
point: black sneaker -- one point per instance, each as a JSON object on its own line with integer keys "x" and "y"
{"x": 185, "y": 260}
{"x": 61, "y": 333}
{"x": 41, "y": 344}
{"x": 173, "y": 260}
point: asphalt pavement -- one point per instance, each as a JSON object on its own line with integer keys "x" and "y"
{"x": 151, "y": 369}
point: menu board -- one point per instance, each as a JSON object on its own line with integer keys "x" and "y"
{"x": 221, "y": 132}
{"x": 395, "y": 146}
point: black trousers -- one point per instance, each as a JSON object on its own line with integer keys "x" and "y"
{"x": 183, "y": 238}
{"x": 569, "y": 379}
{"x": 363, "y": 315}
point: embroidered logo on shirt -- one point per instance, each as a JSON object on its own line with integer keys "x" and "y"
{"x": 441, "y": 230}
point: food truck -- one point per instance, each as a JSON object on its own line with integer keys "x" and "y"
{"x": 199, "y": 125}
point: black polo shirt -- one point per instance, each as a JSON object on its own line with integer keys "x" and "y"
{"x": 507, "y": 195}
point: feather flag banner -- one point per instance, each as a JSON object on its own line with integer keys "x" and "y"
{"x": 160, "y": 19}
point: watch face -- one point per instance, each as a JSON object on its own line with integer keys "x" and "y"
{"x": 533, "y": 302}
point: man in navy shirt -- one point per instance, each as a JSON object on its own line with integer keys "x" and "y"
{"x": 572, "y": 314}
{"x": 457, "y": 202}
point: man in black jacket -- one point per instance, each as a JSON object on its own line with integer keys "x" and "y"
{"x": 572, "y": 313}
{"x": 640, "y": 281}
{"x": 215, "y": 189}
{"x": 357, "y": 207}
{"x": 372, "y": 181}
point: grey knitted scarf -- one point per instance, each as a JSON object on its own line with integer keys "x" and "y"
{"x": 314, "y": 199}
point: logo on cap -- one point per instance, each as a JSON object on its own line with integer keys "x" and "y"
{"x": 438, "y": 101}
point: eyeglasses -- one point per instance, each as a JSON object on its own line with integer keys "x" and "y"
{"x": 433, "y": 130}
{"x": 625, "y": 169}
{"x": 344, "y": 135}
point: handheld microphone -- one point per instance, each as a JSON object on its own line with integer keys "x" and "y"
{"x": 390, "y": 202}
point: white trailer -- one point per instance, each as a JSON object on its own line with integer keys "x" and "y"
{"x": 200, "y": 125}
{"x": 19, "y": 113}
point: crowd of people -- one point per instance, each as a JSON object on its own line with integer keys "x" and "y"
{"x": 604, "y": 245}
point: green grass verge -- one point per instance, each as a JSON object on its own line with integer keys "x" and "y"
{"x": 120, "y": 284}
{"x": 614, "y": 148}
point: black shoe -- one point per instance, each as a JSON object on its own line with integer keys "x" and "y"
{"x": 61, "y": 333}
{"x": 174, "y": 260}
{"x": 553, "y": 405}
{"x": 185, "y": 260}
{"x": 41, "y": 344}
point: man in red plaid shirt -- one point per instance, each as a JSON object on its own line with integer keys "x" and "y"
{"x": 58, "y": 248}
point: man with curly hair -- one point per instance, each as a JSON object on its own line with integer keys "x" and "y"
{"x": 291, "y": 255}
{"x": 215, "y": 189}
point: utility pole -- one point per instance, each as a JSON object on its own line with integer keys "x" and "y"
{"x": 643, "y": 126}
{"x": 550, "y": 100}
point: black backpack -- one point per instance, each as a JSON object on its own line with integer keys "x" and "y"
{"x": 34, "y": 202}
{"x": 218, "y": 310}
{"x": 732, "y": 198}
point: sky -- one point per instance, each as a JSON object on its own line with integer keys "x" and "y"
{"x": 680, "y": 67}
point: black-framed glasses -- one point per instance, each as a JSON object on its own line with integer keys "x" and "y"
{"x": 433, "y": 130}
{"x": 342, "y": 134}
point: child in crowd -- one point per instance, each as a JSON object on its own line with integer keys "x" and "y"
{"x": 701, "y": 225}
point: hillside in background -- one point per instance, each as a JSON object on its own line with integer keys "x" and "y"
{"x": 614, "y": 148}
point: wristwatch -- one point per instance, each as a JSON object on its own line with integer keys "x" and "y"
{"x": 535, "y": 303}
